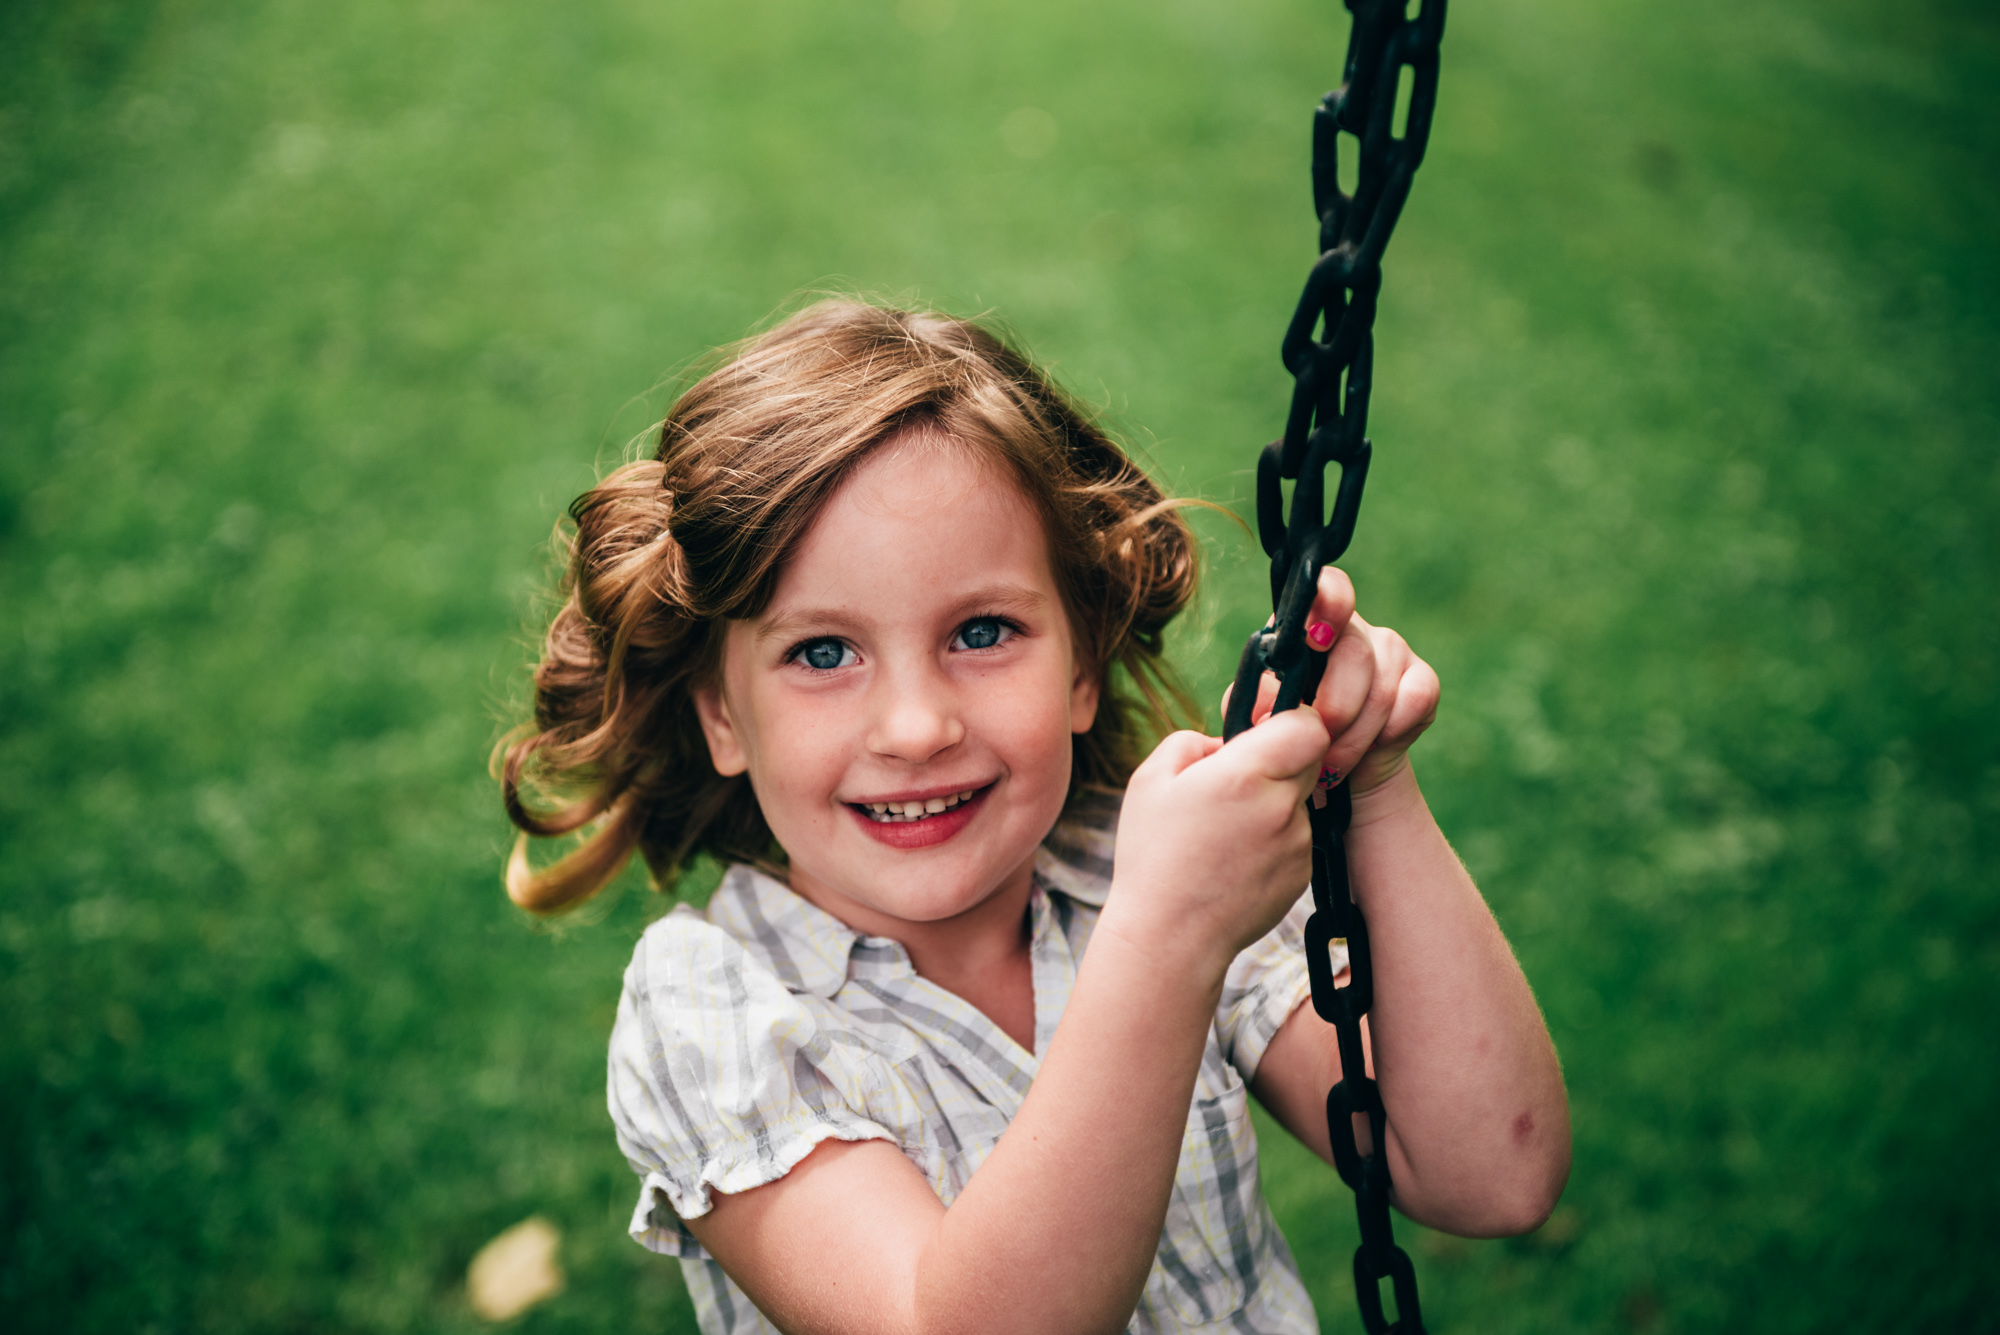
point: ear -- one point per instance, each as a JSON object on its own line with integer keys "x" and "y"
{"x": 1083, "y": 694}
{"x": 725, "y": 747}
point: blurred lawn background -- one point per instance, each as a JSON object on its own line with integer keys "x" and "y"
{"x": 313, "y": 317}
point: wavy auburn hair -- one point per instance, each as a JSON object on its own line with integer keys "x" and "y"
{"x": 663, "y": 553}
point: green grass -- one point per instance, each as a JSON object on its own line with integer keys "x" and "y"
{"x": 312, "y": 318}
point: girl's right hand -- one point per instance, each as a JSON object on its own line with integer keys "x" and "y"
{"x": 1213, "y": 841}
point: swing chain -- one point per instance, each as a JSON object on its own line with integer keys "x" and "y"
{"x": 1327, "y": 425}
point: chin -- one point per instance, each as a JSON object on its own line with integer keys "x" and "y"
{"x": 930, "y": 904}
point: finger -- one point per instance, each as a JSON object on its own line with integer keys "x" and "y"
{"x": 1267, "y": 695}
{"x": 1333, "y": 604}
{"x": 1176, "y": 751}
{"x": 1391, "y": 656}
{"x": 1351, "y": 672}
{"x": 1416, "y": 704}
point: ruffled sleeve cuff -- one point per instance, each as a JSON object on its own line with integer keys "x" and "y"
{"x": 659, "y": 1220}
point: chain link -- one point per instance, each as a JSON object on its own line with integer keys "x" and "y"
{"x": 1328, "y": 425}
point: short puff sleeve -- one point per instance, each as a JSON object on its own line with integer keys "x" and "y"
{"x": 721, "y": 1079}
{"x": 1264, "y": 985}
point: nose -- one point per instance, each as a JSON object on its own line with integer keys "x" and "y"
{"x": 913, "y": 717}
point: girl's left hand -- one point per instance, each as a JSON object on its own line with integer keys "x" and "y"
{"x": 1376, "y": 698}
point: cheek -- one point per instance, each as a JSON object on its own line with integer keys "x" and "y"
{"x": 798, "y": 755}
{"x": 1036, "y": 726}
{"x": 792, "y": 791}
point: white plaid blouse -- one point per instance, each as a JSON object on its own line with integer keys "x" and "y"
{"x": 752, "y": 1031}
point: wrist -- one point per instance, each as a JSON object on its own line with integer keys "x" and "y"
{"x": 1395, "y": 794}
{"x": 1177, "y": 950}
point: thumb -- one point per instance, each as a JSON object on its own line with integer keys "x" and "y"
{"x": 1285, "y": 746}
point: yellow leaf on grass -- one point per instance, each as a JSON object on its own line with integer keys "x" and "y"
{"x": 516, "y": 1270}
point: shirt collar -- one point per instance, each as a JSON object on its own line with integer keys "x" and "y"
{"x": 803, "y": 944}
{"x": 808, "y": 949}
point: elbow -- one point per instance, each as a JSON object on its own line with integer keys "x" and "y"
{"x": 1501, "y": 1210}
{"x": 1516, "y": 1199}
{"x": 1525, "y": 1199}
{"x": 1528, "y": 1207}
{"x": 1503, "y": 1179}
{"x": 1527, "y": 1195}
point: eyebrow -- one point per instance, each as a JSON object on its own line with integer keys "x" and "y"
{"x": 991, "y": 598}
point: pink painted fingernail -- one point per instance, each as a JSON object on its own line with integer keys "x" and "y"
{"x": 1319, "y": 634}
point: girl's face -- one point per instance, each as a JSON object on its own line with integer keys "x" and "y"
{"x": 904, "y": 706}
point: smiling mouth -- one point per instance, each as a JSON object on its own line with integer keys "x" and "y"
{"x": 915, "y": 811}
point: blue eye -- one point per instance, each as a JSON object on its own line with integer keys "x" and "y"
{"x": 824, "y": 655}
{"x": 983, "y": 633}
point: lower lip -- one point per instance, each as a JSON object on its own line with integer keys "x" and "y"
{"x": 928, "y": 832}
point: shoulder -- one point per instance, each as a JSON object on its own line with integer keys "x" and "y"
{"x": 754, "y": 938}
{"x": 693, "y": 981}
{"x": 724, "y": 1071}
{"x": 685, "y": 964}
{"x": 711, "y": 1028}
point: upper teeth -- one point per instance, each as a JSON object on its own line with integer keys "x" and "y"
{"x": 918, "y": 809}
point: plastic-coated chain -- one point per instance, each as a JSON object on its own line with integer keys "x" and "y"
{"x": 1327, "y": 425}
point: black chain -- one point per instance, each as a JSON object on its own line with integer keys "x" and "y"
{"x": 1328, "y": 425}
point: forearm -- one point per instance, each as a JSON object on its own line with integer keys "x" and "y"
{"x": 1057, "y": 1231}
{"x": 1059, "y": 1228}
{"x": 1478, "y": 1119}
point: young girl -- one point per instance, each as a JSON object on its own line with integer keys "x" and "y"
{"x": 965, "y": 1037}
